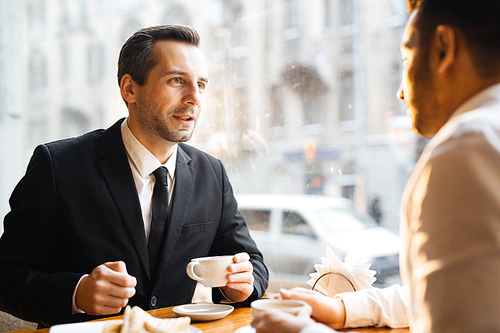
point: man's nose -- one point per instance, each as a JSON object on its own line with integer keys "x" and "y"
{"x": 400, "y": 94}
{"x": 192, "y": 96}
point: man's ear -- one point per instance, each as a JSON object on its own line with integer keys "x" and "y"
{"x": 128, "y": 88}
{"x": 446, "y": 44}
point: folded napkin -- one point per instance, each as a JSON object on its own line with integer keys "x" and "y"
{"x": 352, "y": 275}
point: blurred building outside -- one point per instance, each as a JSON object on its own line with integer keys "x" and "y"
{"x": 302, "y": 96}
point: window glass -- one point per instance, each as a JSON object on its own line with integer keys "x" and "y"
{"x": 293, "y": 223}
{"x": 257, "y": 219}
{"x": 65, "y": 64}
{"x": 176, "y": 15}
{"x": 346, "y": 12}
{"x": 276, "y": 117}
{"x": 302, "y": 95}
{"x": 292, "y": 15}
{"x": 327, "y": 13}
{"x": 94, "y": 69}
{"x": 38, "y": 70}
{"x": 338, "y": 220}
{"x": 346, "y": 96}
{"x": 37, "y": 18}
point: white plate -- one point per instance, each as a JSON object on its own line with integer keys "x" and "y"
{"x": 203, "y": 312}
{"x": 93, "y": 327}
{"x": 245, "y": 329}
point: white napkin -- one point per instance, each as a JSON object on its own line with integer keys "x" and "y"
{"x": 358, "y": 273}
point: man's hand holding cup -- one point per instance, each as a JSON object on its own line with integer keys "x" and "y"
{"x": 233, "y": 274}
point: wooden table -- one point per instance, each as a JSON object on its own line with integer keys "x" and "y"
{"x": 238, "y": 318}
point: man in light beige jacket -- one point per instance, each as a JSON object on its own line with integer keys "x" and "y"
{"x": 450, "y": 227}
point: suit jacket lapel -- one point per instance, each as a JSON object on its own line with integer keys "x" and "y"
{"x": 184, "y": 184}
{"x": 118, "y": 176}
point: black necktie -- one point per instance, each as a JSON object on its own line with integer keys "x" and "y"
{"x": 159, "y": 217}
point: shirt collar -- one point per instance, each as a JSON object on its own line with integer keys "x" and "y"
{"x": 142, "y": 159}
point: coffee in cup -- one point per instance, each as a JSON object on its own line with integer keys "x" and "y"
{"x": 210, "y": 271}
{"x": 291, "y": 306}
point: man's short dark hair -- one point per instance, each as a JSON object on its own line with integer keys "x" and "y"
{"x": 478, "y": 21}
{"x": 137, "y": 57}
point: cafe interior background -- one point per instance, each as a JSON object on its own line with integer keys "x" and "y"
{"x": 302, "y": 97}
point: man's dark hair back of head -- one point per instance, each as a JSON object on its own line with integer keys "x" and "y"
{"x": 478, "y": 20}
{"x": 136, "y": 56}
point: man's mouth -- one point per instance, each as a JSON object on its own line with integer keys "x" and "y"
{"x": 185, "y": 118}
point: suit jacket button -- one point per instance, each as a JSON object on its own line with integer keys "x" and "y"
{"x": 153, "y": 301}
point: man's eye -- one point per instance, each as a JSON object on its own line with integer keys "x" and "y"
{"x": 201, "y": 86}
{"x": 176, "y": 80}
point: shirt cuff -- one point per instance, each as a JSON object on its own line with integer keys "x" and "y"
{"x": 76, "y": 310}
{"x": 357, "y": 309}
{"x": 316, "y": 328}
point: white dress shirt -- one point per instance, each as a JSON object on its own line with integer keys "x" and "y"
{"x": 450, "y": 229}
{"x": 143, "y": 163}
{"x": 377, "y": 307}
{"x": 451, "y": 223}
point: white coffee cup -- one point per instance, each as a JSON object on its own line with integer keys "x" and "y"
{"x": 291, "y": 306}
{"x": 210, "y": 271}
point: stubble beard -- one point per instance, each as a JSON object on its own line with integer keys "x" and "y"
{"x": 424, "y": 103}
{"x": 161, "y": 129}
{"x": 158, "y": 127}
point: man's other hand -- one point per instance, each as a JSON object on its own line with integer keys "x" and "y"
{"x": 106, "y": 290}
{"x": 326, "y": 310}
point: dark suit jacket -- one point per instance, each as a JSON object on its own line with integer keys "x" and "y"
{"x": 77, "y": 207}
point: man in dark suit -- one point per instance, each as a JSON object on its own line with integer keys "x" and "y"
{"x": 77, "y": 241}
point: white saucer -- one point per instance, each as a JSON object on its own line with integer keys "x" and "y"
{"x": 203, "y": 312}
{"x": 245, "y": 329}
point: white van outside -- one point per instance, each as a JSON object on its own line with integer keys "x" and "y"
{"x": 293, "y": 232}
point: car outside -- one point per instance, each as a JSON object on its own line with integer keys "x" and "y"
{"x": 293, "y": 232}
